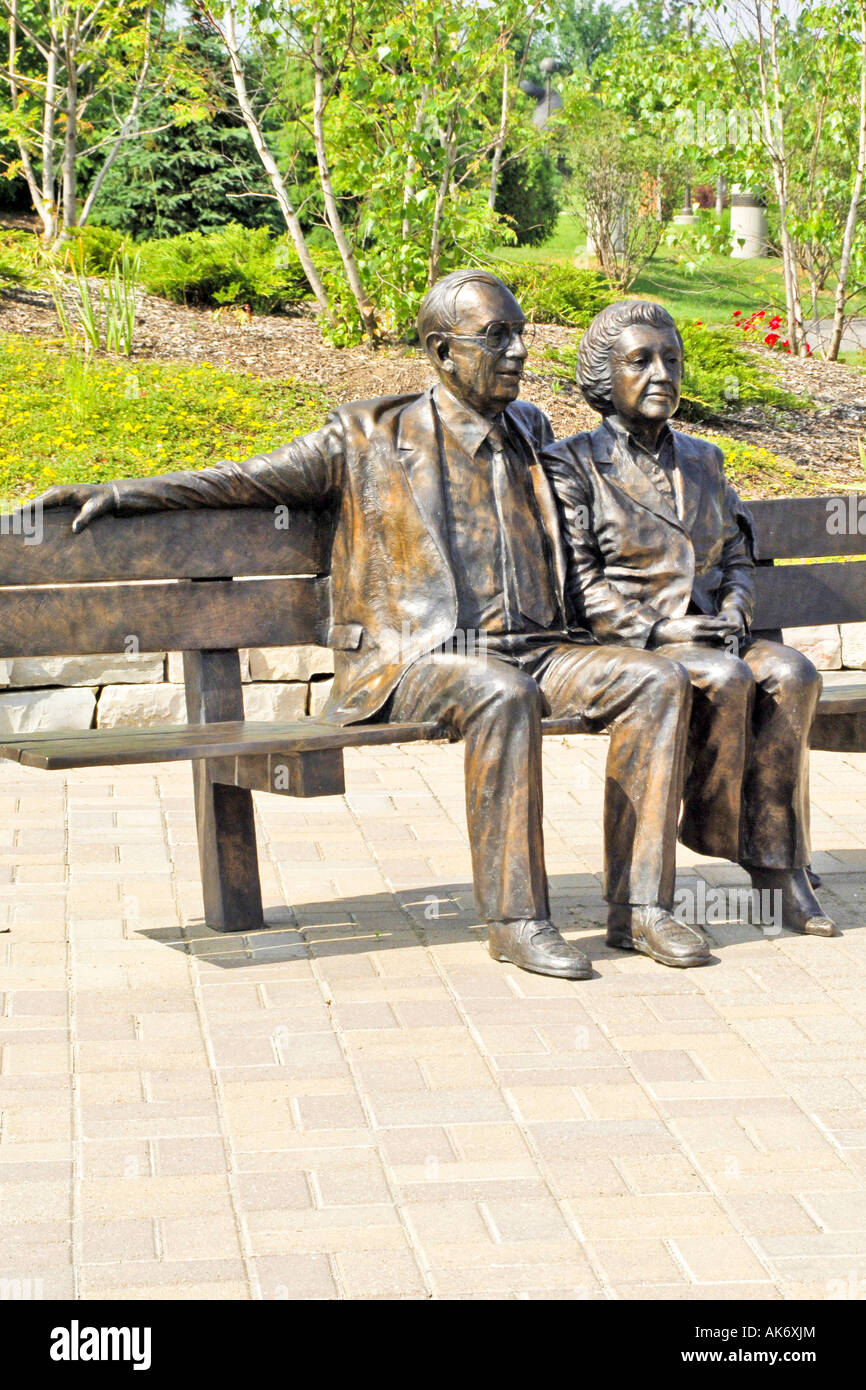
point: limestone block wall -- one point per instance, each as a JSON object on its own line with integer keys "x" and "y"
{"x": 280, "y": 683}
{"x": 83, "y": 692}
{"x": 831, "y": 647}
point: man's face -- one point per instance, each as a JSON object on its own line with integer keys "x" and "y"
{"x": 484, "y": 376}
{"x": 647, "y": 369}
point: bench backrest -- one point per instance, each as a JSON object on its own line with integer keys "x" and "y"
{"x": 805, "y": 528}
{"x": 260, "y": 577}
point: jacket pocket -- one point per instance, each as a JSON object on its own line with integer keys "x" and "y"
{"x": 345, "y": 637}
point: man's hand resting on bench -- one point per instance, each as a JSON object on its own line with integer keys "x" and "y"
{"x": 93, "y": 499}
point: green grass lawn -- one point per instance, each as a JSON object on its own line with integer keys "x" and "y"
{"x": 568, "y": 237}
{"x": 64, "y": 420}
{"x": 711, "y": 293}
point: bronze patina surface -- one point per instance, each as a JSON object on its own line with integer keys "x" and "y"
{"x": 447, "y": 604}
{"x": 661, "y": 555}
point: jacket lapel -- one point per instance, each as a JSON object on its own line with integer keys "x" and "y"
{"x": 688, "y": 480}
{"x": 613, "y": 461}
{"x": 419, "y": 451}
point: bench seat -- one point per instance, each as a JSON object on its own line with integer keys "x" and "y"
{"x": 60, "y": 748}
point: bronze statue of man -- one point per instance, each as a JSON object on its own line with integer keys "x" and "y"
{"x": 666, "y": 563}
{"x": 446, "y": 539}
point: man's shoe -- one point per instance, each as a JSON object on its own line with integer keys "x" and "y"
{"x": 537, "y": 946}
{"x": 654, "y": 932}
{"x": 801, "y": 911}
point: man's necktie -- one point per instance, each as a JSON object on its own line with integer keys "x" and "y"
{"x": 527, "y": 577}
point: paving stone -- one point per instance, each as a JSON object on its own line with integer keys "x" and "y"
{"x": 295, "y": 1276}
{"x": 703, "y": 1131}
{"x": 712, "y": 1258}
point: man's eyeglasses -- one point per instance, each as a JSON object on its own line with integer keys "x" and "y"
{"x": 498, "y": 336}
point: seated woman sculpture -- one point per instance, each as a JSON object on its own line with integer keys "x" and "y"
{"x": 660, "y": 555}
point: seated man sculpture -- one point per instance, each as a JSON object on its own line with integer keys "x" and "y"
{"x": 447, "y": 535}
{"x": 667, "y": 563}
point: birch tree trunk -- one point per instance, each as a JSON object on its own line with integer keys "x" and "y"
{"x": 409, "y": 182}
{"x": 228, "y": 34}
{"x": 774, "y": 138}
{"x": 499, "y": 144}
{"x": 332, "y": 211}
{"x": 41, "y": 196}
{"x": 69, "y": 198}
{"x": 439, "y": 206}
{"x": 853, "y": 206}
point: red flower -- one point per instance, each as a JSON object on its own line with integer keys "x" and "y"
{"x": 776, "y": 322}
{"x": 737, "y": 313}
{"x": 698, "y": 323}
{"x": 772, "y": 339}
{"x": 808, "y": 351}
{"x": 761, "y": 314}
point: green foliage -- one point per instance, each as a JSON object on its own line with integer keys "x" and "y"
{"x": 64, "y": 420}
{"x": 20, "y": 256}
{"x": 195, "y": 168}
{"x": 100, "y": 247}
{"x": 235, "y": 265}
{"x": 557, "y": 293}
{"x": 757, "y": 472}
{"x": 528, "y": 196}
{"x": 719, "y": 376}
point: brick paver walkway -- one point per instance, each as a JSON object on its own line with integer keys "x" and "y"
{"x": 359, "y": 1103}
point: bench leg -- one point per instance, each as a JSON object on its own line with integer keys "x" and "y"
{"x": 224, "y": 815}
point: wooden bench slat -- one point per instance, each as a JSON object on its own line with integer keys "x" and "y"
{"x": 97, "y": 618}
{"x": 798, "y": 528}
{"x": 202, "y": 544}
{"x": 104, "y": 747}
{"x": 843, "y": 699}
{"x": 107, "y": 747}
{"x": 809, "y": 595}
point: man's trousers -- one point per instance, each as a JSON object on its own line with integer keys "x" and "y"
{"x": 496, "y": 704}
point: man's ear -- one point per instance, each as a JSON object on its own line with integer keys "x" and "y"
{"x": 438, "y": 351}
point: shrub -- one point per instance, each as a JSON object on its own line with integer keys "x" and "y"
{"x": 719, "y": 377}
{"x": 100, "y": 247}
{"x": 557, "y": 293}
{"x": 757, "y": 472}
{"x": 235, "y": 265}
{"x": 20, "y": 254}
{"x": 529, "y": 196}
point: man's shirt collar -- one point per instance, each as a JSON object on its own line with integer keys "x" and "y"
{"x": 468, "y": 427}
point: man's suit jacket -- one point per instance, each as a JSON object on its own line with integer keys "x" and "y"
{"x": 633, "y": 559}
{"x": 379, "y": 464}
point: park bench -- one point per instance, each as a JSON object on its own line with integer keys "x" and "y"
{"x": 207, "y": 583}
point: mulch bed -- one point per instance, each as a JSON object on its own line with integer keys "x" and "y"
{"x": 822, "y": 444}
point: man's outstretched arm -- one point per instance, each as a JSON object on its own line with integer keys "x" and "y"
{"x": 305, "y": 473}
